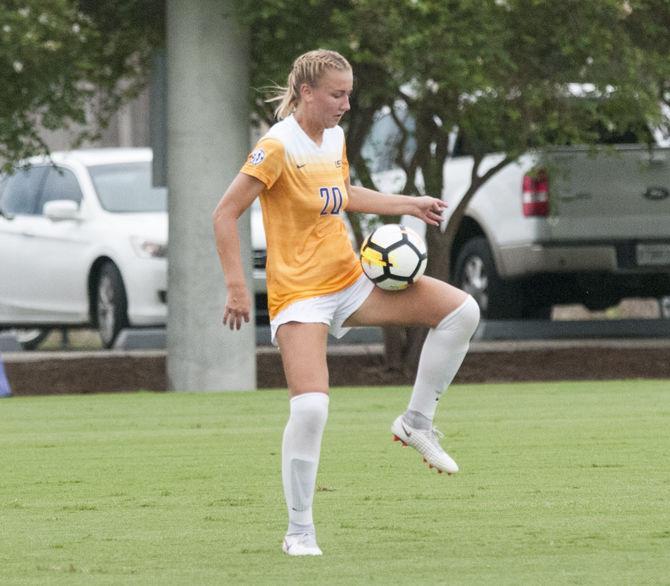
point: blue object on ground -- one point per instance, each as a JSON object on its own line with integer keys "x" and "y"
{"x": 5, "y": 391}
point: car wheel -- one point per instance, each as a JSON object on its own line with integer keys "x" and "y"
{"x": 111, "y": 304}
{"x": 31, "y": 339}
{"x": 475, "y": 272}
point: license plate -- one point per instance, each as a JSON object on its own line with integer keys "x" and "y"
{"x": 652, "y": 254}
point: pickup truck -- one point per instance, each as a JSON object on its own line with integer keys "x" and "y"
{"x": 562, "y": 225}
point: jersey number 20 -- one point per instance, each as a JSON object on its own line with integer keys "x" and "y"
{"x": 331, "y": 194}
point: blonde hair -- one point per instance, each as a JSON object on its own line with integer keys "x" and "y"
{"x": 308, "y": 68}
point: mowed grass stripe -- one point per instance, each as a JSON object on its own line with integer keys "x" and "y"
{"x": 561, "y": 483}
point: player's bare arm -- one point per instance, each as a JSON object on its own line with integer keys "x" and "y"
{"x": 238, "y": 197}
{"x": 426, "y": 208}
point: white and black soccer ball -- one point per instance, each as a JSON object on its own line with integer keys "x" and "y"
{"x": 393, "y": 257}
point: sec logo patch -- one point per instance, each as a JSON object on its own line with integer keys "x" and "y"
{"x": 257, "y": 157}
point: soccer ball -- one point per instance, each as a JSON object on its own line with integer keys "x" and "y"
{"x": 393, "y": 257}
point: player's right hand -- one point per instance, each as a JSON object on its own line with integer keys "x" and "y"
{"x": 238, "y": 307}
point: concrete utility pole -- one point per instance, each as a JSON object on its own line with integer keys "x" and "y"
{"x": 208, "y": 139}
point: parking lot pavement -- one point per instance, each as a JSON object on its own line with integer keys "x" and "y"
{"x": 499, "y": 330}
{"x": 491, "y": 330}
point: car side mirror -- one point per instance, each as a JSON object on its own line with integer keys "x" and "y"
{"x": 61, "y": 209}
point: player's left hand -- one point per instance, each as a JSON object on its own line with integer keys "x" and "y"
{"x": 430, "y": 209}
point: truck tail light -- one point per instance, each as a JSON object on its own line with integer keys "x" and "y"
{"x": 535, "y": 195}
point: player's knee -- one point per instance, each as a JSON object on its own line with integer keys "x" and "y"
{"x": 463, "y": 321}
{"x": 470, "y": 315}
{"x": 311, "y": 411}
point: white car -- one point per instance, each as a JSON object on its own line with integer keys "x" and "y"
{"x": 83, "y": 242}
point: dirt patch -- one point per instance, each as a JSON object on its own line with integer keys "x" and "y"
{"x": 96, "y": 372}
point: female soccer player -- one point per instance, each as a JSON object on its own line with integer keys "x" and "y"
{"x": 315, "y": 282}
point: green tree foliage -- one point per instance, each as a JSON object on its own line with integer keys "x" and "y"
{"x": 68, "y": 64}
{"x": 518, "y": 74}
{"x": 498, "y": 70}
{"x": 507, "y": 75}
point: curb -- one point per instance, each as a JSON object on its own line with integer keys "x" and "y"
{"x": 53, "y": 373}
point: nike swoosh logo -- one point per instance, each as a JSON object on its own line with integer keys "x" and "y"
{"x": 301, "y": 166}
{"x": 408, "y": 433}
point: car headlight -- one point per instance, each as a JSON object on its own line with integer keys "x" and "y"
{"x": 146, "y": 248}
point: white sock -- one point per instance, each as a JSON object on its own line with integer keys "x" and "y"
{"x": 301, "y": 448}
{"x": 441, "y": 357}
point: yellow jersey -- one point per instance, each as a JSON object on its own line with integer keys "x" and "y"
{"x": 308, "y": 248}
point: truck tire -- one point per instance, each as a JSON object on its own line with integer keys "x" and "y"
{"x": 111, "y": 304}
{"x": 475, "y": 273}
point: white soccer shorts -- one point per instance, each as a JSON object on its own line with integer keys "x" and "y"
{"x": 332, "y": 309}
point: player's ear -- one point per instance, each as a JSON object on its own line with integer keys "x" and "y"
{"x": 306, "y": 92}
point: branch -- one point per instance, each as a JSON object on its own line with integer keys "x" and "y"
{"x": 404, "y": 135}
{"x": 474, "y": 177}
{"x": 363, "y": 174}
{"x": 493, "y": 170}
{"x": 408, "y": 99}
{"x": 410, "y": 171}
{"x": 411, "y": 167}
{"x": 362, "y": 170}
{"x": 359, "y": 128}
{"x": 478, "y": 180}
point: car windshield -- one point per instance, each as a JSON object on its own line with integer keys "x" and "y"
{"x": 126, "y": 187}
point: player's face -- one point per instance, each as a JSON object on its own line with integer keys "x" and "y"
{"x": 330, "y": 97}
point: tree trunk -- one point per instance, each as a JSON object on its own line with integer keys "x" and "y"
{"x": 394, "y": 345}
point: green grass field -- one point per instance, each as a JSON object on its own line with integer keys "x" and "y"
{"x": 561, "y": 483}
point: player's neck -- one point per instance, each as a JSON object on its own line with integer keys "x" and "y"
{"x": 311, "y": 128}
